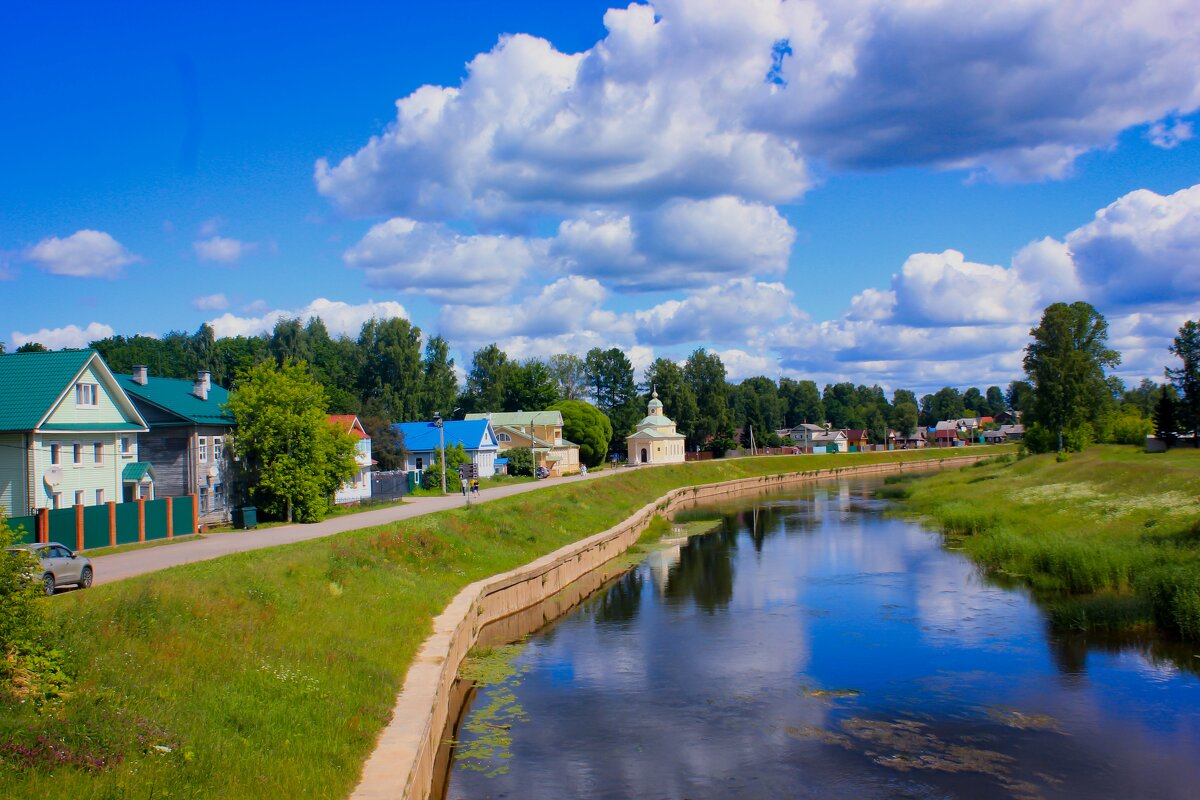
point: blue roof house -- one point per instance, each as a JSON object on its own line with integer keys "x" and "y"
{"x": 68, "y": 434}
{"x": 422, "y": 441}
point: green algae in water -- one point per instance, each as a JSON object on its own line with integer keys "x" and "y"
{"x": 490, "y": 726}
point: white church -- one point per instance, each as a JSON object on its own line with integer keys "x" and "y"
{"x": 655, "y": 441}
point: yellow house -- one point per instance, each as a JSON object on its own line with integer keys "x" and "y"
{"x": 541, "y": 432}
{"x": 655, "y": 441}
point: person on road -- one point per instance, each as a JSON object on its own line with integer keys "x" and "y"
{"x": 475, "y": 487}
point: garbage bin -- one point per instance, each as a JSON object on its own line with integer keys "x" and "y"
{"x": 245, "y": 517}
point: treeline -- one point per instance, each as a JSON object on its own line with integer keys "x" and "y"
{"x": 391, "y": 373}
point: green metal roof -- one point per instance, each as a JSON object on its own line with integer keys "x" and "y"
{"x": 30, "y": 383}
{"x": 174, "y": 395}
{"x": 656, "y": 419}
{"x": 499, "y": 418}
{"x": 650, "y": 433}
{"x": 134, "y": 472}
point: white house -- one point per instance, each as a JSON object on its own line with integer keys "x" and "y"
{"x": 358, "y": 488}
{"x": 422, "y": 441}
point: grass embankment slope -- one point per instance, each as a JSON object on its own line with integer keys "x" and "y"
{"x": 270, "y": 674}
{"x": 1108, "y": 539}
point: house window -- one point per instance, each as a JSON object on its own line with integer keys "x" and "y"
{"x": 504, "y": 437}
{"x": 420, "y": 463}
{"x": 99, "y": 497}
{"x": 79, "y": 497}
{"x": 203, "y": 500}
{"x": 87, "y": 395}
{"x": 217, "y": 443}
{"x": 98, "y": 452}
{"x": 126, "y": 445}
{"x": 77, "y": 453}
{"x": 55, "y": 454}
{"x": 202, "y": 448}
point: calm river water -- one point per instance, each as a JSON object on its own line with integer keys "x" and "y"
{"x": 813, "y": 647}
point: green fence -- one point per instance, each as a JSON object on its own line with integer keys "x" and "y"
{"x": 181, "y": 511}
{"x": 156, "y": 519}
{"x": 95, "y": 527}
{"x": 62, "y": 526}
{"x": 27, "y": 524}
{"x": 127, "y": 523}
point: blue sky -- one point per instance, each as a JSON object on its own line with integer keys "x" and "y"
{"x": 893, "y": 200}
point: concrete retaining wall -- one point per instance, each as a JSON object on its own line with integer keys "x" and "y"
{"x": 403, "y": 763}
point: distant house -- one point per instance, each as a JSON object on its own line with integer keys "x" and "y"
{"x": 857, "y": 439}
{"x": 818, "y": 439}
{"x": 422, "y": 441}
{"x": 946, "y": 433}
{"x": 909, "y": 441}
{"x": 186, "y": 443}
{"x": 1013, "y": 432}
{"x": 358, "y": 488}
{"x": 68, "y": 434}
{"x": 541, "y": 432}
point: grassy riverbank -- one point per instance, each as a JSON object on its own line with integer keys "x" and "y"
{"x": 1108, "y": 539}
{"x": 270, "y": 673}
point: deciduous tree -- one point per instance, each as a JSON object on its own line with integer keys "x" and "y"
{"x": 1065, "y": 364}
{"x": 292, "y": 458}
{"x": 586, "y": 426}
{"x": 1186, "y": 379}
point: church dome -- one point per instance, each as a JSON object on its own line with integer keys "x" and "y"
{"x": 654, "y": 407}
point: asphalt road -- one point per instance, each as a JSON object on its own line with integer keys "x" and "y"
{"x": 119, "y": 566}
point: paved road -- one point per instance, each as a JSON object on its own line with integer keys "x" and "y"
{"x": 214, "y": 545}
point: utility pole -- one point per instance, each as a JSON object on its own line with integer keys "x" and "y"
{"x": 437, "y": 420}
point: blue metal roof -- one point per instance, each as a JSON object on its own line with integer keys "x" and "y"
{"x": 472, "y": 434}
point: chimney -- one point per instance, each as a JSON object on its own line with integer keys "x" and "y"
{"x": 206, "y": 377}
{"x": 200, "y": 389}
{"x": 140, "y": 375}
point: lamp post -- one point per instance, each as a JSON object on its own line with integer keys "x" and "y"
{"x": 437, "y": 420}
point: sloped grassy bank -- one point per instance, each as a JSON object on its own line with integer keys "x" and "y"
{"x": 269, "y": 674}
{"x": 1109, "y": 540}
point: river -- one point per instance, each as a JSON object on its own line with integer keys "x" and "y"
{"x": 814, "y": 646}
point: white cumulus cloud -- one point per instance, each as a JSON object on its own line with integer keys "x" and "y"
{"x": 339, "y": 318}
{"x": 412, "y": 256}
{"x": 221, "y": 249}
{"x": 68, "y": 336}
{"x": 211, "y": 302}
{"x": 83, "y": 254}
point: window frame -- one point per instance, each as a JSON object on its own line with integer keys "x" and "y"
{"x": 87, "y": 395}
{"x": 98, "y": 453}
{"x": 202, "y": 449}
{"x": 55, "y": 454}
{"x": 76, "y": 453}
{"x": 99, "y": 497}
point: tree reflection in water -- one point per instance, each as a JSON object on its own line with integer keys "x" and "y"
{"x": 705, "y": 570}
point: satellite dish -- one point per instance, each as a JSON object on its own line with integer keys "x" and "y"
{"x": 214, "y": 471}
{"x": 53, "y": 476}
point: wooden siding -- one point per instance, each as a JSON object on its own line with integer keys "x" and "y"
{"x": 13, "y": 474}
{"x": 106, "y": 410}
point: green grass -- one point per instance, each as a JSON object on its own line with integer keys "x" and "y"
{"x": 124, "y": 548}
{"x": 1108, "y": 539}
{"x": 270, "y": 674}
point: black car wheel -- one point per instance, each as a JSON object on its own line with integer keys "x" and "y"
{"x": 85, "y": 578}
{"x": 48, "y": 582}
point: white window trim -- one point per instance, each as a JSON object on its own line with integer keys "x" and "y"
{"x": 98, "y": 453}
{"x": 79, "y": 497}
{"x": 87, "y": 395}
{"x": 55, "y": 453}
{"x": 99, "y": 497}
{"x": 202, "y": 449}
{"x": 77, "y": 453}
{"x": 126, "y": 451}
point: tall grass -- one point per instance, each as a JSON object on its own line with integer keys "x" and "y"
{"x": 270, "y": 674}
{"x": 1109, "y": 539}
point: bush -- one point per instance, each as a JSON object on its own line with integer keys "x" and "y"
{"x": 520, "y": 461}
{"x": 20, "y": 613}
{"x": 432, "y": 477}
{"x": 1039, "y": 439}
{"x": 1129, "y": 428}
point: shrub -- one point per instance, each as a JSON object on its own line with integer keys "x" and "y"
{"x": 432, "y": 477}
{"x": 520, "y": 461}
{"x": 20, "y": 612}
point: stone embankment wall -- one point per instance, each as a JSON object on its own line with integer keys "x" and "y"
{"x": 403, "y": 763}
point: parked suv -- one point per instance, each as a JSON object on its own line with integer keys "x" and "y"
{"x": 60, "y": 565}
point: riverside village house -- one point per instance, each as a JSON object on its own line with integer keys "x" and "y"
{"x": 541, "y": 432}
{"x": 186, "y": 443}
{"x": 358, "y": 488}
{"x": 68, "y": 434}
{"x": 422, "y": 441}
